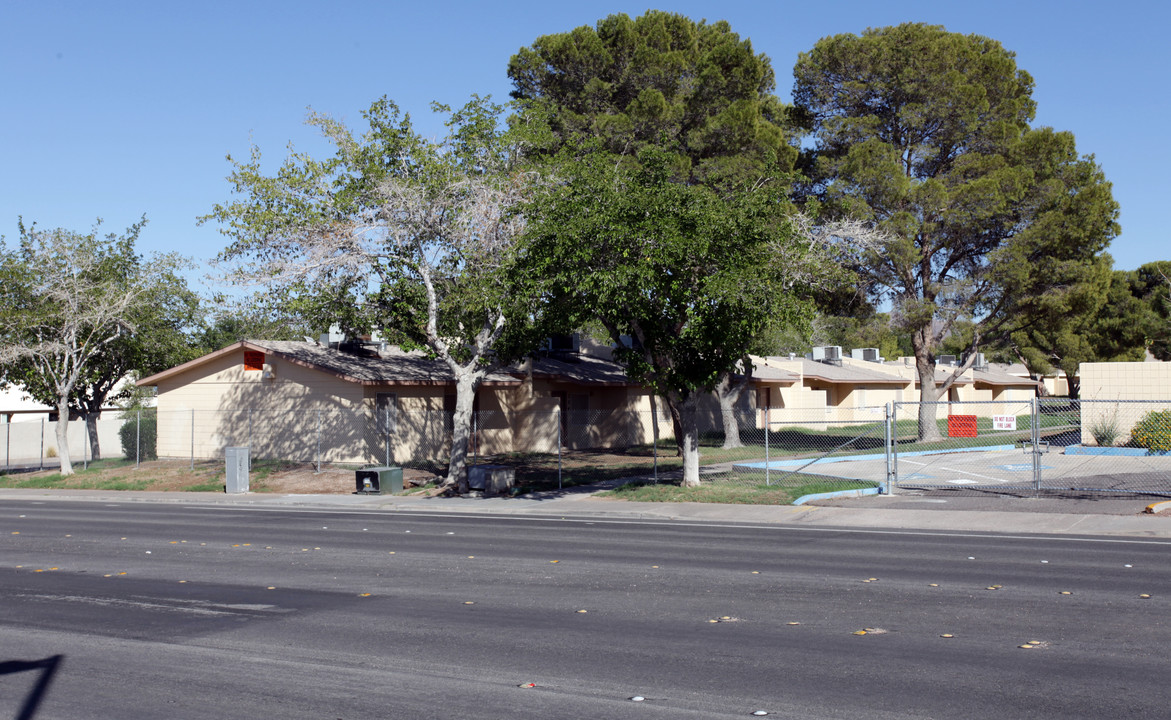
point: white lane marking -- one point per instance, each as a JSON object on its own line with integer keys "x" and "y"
{"x": 957, "y": 470}
{"x": 194, "y": 607}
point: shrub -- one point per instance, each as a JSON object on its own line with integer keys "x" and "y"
{"x": 1153, "y": 431}
{"x": 1105, "y": 429}
{"x": 144, "y": 437}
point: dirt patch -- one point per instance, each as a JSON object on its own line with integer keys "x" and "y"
{"x": 331, "y": 481}
{"x": 533, "y": 472}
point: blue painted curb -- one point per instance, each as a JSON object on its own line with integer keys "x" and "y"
{"x": 840, "y": 493}
{"x": 873, "y": 456}
{"x": 1117, "y": 451}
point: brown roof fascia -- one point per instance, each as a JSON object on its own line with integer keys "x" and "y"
{"x": 154, "y": 379}
{"x": 857, "y": 381}
{"x": 576, "y": 381}
{"x": 245, "y": 345}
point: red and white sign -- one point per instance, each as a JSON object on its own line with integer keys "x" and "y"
{"x": 1004, "y": 422}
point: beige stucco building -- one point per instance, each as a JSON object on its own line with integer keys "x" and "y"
{"x": 309, "y": 402}
{"x": 302, "y": 401}
{"x": 855, "y": 390}
{"x": 1118, "y": 394}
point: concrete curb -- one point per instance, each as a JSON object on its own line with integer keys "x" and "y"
{"x": 1157, "y": 507}
{"x": 837, "y": 494}
{"x": 580, "y": 506}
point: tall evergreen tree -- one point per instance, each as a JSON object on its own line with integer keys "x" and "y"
{"x": 987, "y": 219}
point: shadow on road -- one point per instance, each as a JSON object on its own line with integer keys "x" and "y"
{"x": 47, "y": 668}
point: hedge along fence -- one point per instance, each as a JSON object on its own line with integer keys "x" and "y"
{"x": 139, "y": 436}
{"x": 1153, "y": 431}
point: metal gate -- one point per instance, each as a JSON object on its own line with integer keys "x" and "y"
{"x": 1044, "y": 444}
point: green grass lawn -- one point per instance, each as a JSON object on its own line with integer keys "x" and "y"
{"x": 743, "y": 489}
{"x": 121, "y": 474}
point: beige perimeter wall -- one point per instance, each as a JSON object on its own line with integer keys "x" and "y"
{"x": 1119, "y": 394}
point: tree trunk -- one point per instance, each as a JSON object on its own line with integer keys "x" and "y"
{"x": 922, "y": 344}
{"x": 928, "y": 398}
{"x": 63, "y": 436}
{"x": 91, "y": 427}
{"x": 676, "y": 427}
{"x": 728, "y": 391}
{"x": 684, "y": 410}
{"x": 467, "y": 381}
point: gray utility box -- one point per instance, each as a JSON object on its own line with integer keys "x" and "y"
{"x": 375, "y": 480}
{"x": 237, "y": 469}
{"x": 492, "y": 479}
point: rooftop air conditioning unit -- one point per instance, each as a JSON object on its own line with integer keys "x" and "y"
{"x": 867, "y": 354}
{"x": 333, "y": 337}
{"x": 827, "y": 352}
{"x": 980, "y": 361}
{"x": 947, "y": 360}
{"x": 570, "y": 343}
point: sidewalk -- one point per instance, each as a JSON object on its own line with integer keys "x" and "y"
{"x": 1121, "y": 517}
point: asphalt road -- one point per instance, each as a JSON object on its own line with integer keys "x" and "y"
{"x": 165, "y": 611}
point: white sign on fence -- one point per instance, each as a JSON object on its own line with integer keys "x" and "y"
{"x": 1004, "y": 422}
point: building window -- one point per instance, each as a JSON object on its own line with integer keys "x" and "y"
{"x": 253, "y": 361}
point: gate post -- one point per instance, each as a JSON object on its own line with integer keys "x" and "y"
{"x": 886, "y": 446}
{"x": 654, "y": 436}
{"x": 1036, "y": 423}
{"x": 894, "y": 445}
{"x": 767, "y": 422}
{"x": 318, "y": 441}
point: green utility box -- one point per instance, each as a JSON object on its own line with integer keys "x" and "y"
{"x": 375, "y": 480}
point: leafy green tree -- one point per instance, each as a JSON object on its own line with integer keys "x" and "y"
{"x": 871, "y": 330}
{"x": 78, "y": 312}
{"x": 691, "y": 275}
{"x": 1119, "y": 327}
{"x": 696, "y": 91}
{"x": 927, "y": 134}
{"x": 1152, "y": 284}
{"x": 397, "y": 233}
{"x": 252, "y": 318}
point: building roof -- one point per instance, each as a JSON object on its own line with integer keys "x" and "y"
{"x": 396, "y": 367}
{"x": 767, "y": 373}
{"x": 854, "y": 374}
{"x": 995, "y": 376}
{"x": 583, "y": 369}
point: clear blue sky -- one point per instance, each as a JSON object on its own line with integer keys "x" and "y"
{"x": 118, "y": 109}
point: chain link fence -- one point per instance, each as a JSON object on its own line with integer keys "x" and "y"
{"x": 32, "y": 444}
{"x": 547, "y": 449}
{"x": 1041, "y": 445}
{"x": 1047, "y": 445}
